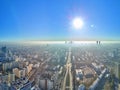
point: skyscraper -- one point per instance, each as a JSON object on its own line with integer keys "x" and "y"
{"x": 98, "y": 42}
{"x": 4, "y": 49}
{"x": 117, "y": 70}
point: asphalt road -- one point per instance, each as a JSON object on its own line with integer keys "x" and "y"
{"x": 68, "y": 71}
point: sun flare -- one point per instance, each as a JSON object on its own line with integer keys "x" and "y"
{"x": 77, "y": 23}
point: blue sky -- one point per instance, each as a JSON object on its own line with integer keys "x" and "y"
{"x": 51, "y": 19}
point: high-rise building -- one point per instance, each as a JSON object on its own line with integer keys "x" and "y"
{"x": 16, "y": 72}
{"x": 29, "y": 68}
{"x": 117, "y": 70}
{"x": 4, "y": 49}
{"x": 5, "y": 66}
{"x": 9, "y": 65}
{"x": 98, "y": 42}
{"x": 19, "y": 72}
{"x": 11, "y": 77}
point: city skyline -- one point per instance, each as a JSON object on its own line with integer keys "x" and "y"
{"x": 51, "y": 20}
{"x": 60, "y": 67}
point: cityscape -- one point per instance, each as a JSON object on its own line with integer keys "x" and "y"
{"x": 65, "y": 66}
{"x": 59, "y": 44}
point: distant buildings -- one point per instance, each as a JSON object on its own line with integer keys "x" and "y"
{"x": 5, "y": 55}
{"x": 65, "y": 42}
{"x": 98, "y": 42}
{"x": 68, "y": 42}
{"x": 9, "y": 65}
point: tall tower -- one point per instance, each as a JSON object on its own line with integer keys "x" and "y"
{"x": 96, "y": 42}
{"x": 99, "y": 42}
{"x": 116, "y": 53}
{"x": 117, "y": 70}
{"x": 4, "y": 49}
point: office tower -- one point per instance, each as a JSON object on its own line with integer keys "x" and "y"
{"x": 117, "y": 70}
{"x": 96, "y": 42}
{"x": 116, "y": 53}
{"x": 4, "y": 49}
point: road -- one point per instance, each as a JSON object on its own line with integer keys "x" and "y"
{"x": 68, "y": 72}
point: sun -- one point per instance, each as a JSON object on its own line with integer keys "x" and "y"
{"x": 77, "y": 23}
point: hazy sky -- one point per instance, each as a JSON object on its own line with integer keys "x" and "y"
{"x": 52, "y": 19}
